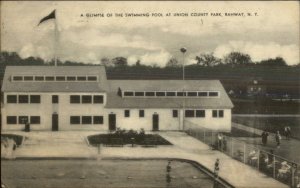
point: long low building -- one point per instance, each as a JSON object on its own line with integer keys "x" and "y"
{"x": 81, "y": 98}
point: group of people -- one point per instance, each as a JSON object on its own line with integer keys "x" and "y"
{"x": 221, "y": 142}
{"x": 265, "y": 134}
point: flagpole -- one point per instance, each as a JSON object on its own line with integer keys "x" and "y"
{"x": 55, "y": 42}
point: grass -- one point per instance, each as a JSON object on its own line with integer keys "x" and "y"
{"x": 240, "y": 133}
{"x": 120, "y": 139}
{"x": 271, "y": 124}
{"x": 17, "y": 138}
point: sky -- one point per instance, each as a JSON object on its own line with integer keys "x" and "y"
{"x": 272, "y": 30}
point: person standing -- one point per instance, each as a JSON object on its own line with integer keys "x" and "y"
{"x": 220, "y": 140}
{"x": 278, "y": 139}
{"x": 264, "y": 137}
{"x": 286, "y": 132}
{"x": 217, "y": 168}
{"x": 289, "y": 132}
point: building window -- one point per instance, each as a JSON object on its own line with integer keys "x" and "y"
{"x": 98, "y": 119}
{"x": 39, "y": 78}
{"x": 60, "y": 78}
{"x": 86, "y": 99}
{"x": 11, "y": 98}
{"x": 128, "y": 93}
{"x": 213, "y": 94}
{"x": 17, "y": 78}
{"x": 75, "y": 120}
{"x": 218, "y": 113}
{"x": 126, "y": 113}
{"x": 35, "y": 99}
{"x": 55, "y": 99}
{"x": 139, "y": 94}
{"x": 150, "y": 94}
{"x": 23, "y": 119}
{"x": 221, "y": 113}
{"x": 11, "y": 119}
{"x": 92, "y": 78}
{"x": 49, "y": 78}
{"x": 141, "y": 113}
{"x": 86, "y": 119}
{"x": 160, "y": 94}
{"x": 23, "y": 98}
{"x": 175, "y": 113}
{"x": 190, "y": 113}
{"x": 180, "y": 94}
{"x": 28, "y": 78}
{"x": 35, "y": 119}
{"x": 98, "y": 99}
{"x": 75, "y": 99}
{"x": 200, "y": 113}
{"x": 81, "y": 78}
{"x": 192, "y": 94}
{"x": 71, "y": 78}
{"x": 202, "y": 94}
{"x": 215, "y": 113}
{"x": 171, "y": 94}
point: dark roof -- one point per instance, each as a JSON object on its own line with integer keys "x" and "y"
{"x": 65, "y": 86}
{"x": 116, "y": 101}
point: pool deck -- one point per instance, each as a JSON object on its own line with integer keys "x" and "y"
{"x": 73, "y": 144}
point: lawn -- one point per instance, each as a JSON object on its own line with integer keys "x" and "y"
{"x": 240, "y": 133}
{"x": 271, "y": 124}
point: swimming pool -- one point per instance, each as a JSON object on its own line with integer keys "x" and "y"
{"x": 103, "y": 173}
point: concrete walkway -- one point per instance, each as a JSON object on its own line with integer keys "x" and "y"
{"x": 73, "y": 145}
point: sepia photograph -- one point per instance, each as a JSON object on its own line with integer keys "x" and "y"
{"x": 150, "y": 94}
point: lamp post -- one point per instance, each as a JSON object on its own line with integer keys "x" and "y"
{"x": 183, "y": 51}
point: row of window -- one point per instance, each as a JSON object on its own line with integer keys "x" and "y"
{"x": 188, "y": 113}
{"x": 201, "y": 113}
{"x": 23, "y": 99}
{"x": 54, "y": 78}
{"x": 23, "y": 119}
{"x": 171, "y": 94}
{"x": 86, "y": 99}
{"x": 75, "y": 120}
{"x": 127, "y": 113}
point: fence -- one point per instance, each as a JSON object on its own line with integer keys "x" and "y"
{"x": 272, "y": 165}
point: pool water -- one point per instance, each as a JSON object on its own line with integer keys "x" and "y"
{"x": 102, "y": 173}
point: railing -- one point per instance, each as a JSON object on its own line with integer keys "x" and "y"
{"x": 279, "y": 168}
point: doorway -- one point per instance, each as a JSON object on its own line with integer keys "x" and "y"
{"x": 54, "y": 122}
{"x": 112, "y": 122}
{"x": 155, "y": 122}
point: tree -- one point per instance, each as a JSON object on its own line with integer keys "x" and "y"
{"x": 138, "y": 63}
{"x": 208, "y": 60}
{"x": 237, "y": 58}
{"x": 173, "y": 62}
{"x": 278, "y": 61}
{"x": 106, "y": 62}
{"x": 10, "y": 58}
{"x": 119, "y": 61}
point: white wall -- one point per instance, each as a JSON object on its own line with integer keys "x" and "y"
{"x": 209, "y": 122}
{"x": 166, "y": 120}
{"x": 64, "y": 110}
{"x": 45, "y": 110}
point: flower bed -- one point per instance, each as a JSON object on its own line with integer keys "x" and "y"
{"x": 123, "y": 137}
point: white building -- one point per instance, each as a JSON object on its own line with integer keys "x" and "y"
{"x": 81, "y": 98}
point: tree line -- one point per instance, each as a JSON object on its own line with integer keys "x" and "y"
{"x": 203, "y": 60}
